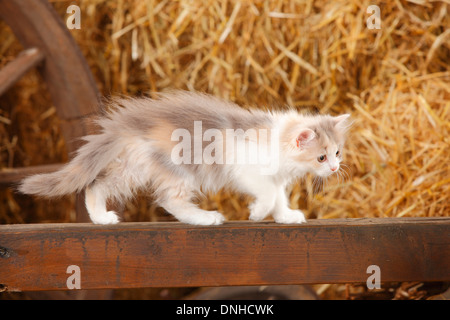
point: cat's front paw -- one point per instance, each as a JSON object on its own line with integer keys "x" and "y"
{"x": 289, "y": 216}
{"x": 209, "y": 218}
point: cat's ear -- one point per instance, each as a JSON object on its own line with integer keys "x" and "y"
{"x": 342, "y": 122}
{"x": 304, "y": 138}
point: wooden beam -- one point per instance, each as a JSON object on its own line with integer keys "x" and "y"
{"x": 130, "y": 255}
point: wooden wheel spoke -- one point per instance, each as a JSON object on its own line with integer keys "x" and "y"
{"x": 14, "y": 70}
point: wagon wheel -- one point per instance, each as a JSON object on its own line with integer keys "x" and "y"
{"x": 51, "y": 49}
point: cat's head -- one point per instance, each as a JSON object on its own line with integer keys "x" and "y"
{"x": 317, "y": 143}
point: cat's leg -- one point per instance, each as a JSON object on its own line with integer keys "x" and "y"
{"x": 96, "y": 196}
{"x": 189, "y": 213}
{"x": 264, "y": 192}
{"x": 263, "y": 204}
{"x": 181, "y": 207}
{"x": 282, "y": 213}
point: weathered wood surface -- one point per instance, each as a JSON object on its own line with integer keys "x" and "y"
{"x": 127, "y": 255}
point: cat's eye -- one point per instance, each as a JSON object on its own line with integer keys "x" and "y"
{"x": 338, "y": 153}
{"x": 322, "y": 158}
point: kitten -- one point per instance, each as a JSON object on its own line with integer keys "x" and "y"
{"x": 183, "y": 143}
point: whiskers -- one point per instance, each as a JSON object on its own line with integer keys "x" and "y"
{"x": 320, "y": 184}
{"x": 343, "y": 173}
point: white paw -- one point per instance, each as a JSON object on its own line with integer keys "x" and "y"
{"x": 109, "y": 217}
{"x": 208, "y": 218}
{"x": 289, "y": 216}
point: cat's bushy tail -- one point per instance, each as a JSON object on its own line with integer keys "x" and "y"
{"x": 81, "y": 171}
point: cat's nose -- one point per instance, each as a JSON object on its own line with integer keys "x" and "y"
{"x": 334, "y": 168}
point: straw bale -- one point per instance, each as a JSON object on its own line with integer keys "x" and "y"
{"x": 313, "y": 55}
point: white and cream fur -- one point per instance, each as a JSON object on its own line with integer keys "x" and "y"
{"x": 133, "y": 152}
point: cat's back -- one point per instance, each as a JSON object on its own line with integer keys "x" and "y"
{"x": 181, "y": 109}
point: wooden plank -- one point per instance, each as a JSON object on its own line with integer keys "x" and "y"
{"x": 130, "y": 255}
{"x": 15, "y": 69}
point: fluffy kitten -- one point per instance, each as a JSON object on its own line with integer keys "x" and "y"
{"x": 183, "y": 143}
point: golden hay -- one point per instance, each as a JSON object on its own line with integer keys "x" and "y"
{"x": 313, "y": 55}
